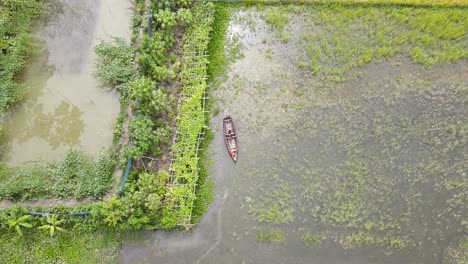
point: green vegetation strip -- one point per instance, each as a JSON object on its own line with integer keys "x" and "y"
{"x": 191, "y": 121}
{"x": 16, "y": 45}
{"x": 356, "y": 2}
{"x": 218, "y": 60}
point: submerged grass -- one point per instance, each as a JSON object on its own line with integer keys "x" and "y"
{"x": 369, "y": 179}
{"x": 344, "y": 38}
{"x": 269, "y": 235}
{"x": 361, "y": 168}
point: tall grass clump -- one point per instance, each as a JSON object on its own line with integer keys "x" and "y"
{"x": 16, "y": 45}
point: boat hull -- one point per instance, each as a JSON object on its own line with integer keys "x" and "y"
{"x": 230, "y": 137}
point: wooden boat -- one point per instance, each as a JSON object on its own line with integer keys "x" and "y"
{"x": 230, "y": 136}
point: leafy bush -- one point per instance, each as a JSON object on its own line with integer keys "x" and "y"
{"x": 184, "y": 16}
{"x": 153, "y": 58}
{"x": 151, "y": 99}
{"x": 164, "y": 4}
{"x": 165, "y": 19}
{"x": 141, "y": 205}
{"x": 145, "y": 135}
{"x": 68, "y": 173}
{"x": 114, "y": 64}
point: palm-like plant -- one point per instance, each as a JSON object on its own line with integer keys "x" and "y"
{"x": 3, "y": 220}
{"x": 17, "y": 220}
{"x": 53, "y": 224}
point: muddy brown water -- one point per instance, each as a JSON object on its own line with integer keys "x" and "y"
{"x": 374, "y": 167}
{"x": 65, "y": 107}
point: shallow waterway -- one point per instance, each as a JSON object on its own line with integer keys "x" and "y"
{"x": 371, "y": 170}
{"x": 65, "y": 107}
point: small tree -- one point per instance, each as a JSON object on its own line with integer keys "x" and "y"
{"x": 17, "y": 219}
{"x": 52, "y": 224}
{"x": 113, "y": 211}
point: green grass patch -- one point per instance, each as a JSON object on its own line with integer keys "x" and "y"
{"x": 93, "y": 247}
{"x": 204, "y": 191}
{"x": 365, "y": 2}
{"x": 277, "y": 19}
{"x": 75, "y": 175}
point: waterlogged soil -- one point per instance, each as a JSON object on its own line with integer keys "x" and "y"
{"x": 65, "y": 106}
{"x": 369, "y": 170}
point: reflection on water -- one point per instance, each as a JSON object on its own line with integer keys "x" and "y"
{"x": 61, "y": 127}
{"x": 65, "y": 106}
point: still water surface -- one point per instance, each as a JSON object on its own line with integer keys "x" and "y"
{"x": 66, "y": 107}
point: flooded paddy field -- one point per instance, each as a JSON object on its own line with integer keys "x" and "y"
{"x": 65, "y": 106}
{"x": 342, "y": 164}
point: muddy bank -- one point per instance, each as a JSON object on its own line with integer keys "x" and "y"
{"x": 66, "y": 107}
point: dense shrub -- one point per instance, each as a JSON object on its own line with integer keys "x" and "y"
{"x": 146, "y": 135}
{"x": 150, "y": 98}
{"x": 154, "y": 57}
{"x": 114, "y": 65}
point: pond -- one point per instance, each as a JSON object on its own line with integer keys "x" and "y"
{"x": 369, "y": 170}
{"x": 65, "y": 107}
